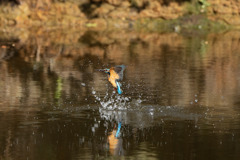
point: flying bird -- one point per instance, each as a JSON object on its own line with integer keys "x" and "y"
{"x": 115, "y": 74}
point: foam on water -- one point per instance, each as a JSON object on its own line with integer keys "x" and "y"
{"x": 114, "y": 101}
{"x": 121, "y": 107}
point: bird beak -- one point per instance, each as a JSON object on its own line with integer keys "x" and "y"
{"x": 103, "y": 70}
{"x": 100, "y": 70}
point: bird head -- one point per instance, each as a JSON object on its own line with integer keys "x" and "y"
{"x": 106, "y": 70}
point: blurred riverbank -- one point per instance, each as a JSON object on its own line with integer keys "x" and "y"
{"x": 156, "y": 15}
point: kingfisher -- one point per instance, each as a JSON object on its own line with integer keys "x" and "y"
{"x": 115, "y": 74}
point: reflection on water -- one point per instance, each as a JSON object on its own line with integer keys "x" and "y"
{"x": 115, "y": 142}
{"x": 180, "y": 100}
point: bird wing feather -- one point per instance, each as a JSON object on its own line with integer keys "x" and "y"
{"x": 119, "y": 70}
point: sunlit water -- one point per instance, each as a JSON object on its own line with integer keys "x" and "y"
{"x": 180, "y": 96}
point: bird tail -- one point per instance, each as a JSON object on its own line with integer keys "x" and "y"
{"x": 119, "y": 88}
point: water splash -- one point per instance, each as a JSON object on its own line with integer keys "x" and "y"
{"x": 114, "y": 101}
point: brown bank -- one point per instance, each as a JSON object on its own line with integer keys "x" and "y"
{"x": 102, "y": 14}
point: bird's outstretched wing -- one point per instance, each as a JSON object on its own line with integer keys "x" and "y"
{"x": 119, "y": 70}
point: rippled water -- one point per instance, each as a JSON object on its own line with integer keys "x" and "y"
{"x": 181, "y": 95}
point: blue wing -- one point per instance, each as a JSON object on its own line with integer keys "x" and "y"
{"x": 119, "y": 70}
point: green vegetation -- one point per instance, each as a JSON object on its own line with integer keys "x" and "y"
{"x": 185, "y": 24}
{"x": 204, "y": 4}
{"x": 197, "y": 7}
{"x": 58, "y": 89}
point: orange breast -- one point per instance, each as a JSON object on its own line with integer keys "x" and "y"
{"x": 113, "y": 76}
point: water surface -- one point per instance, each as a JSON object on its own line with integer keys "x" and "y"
{"x": 181, "y": 95}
